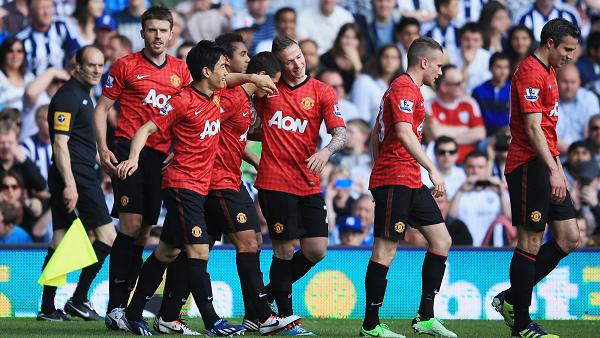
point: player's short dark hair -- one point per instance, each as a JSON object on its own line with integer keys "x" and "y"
{"x": 557, "y": 29}
{"x": 498, "y": 56}
{"x": 205, "y": 54}
{"x": 470, "y": 27}
{"x": 444, "y": 140}
{"x": 124, "y": 41}
{"x": 9, "y": 213}
{"x": 442, "y": 77}
{"x": 405, "y": 22}
{"x": 79, "y": 55}
{"x": 282, "y": 11}
{"x": 475, "y": 154}
{"x": 579, "y": 144}
{"x": 264, "y": 61}
{"x": 422, "y": 47}
{"x": 440, "y": 3}
{"x": 280, "y": 43}
{"x": 157, "y": 13}
{"x": 227, "y": 40}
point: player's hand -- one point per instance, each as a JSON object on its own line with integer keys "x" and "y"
{"x": 108, "y": 161}
{"x": 70, "y": 196}
{"x": 558, "y": 187}
{"x": 127, "y": 168}
{"x": 265, "y": 84}
{"x": 439, "y": 187}
{"x": 317, "y": 162}
{"x": 167, "y": 161}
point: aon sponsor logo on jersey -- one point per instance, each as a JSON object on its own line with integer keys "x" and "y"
{"x": 156, "y": 100}
{"x": 288, "y": 123}
{"x": 211, "y": 128}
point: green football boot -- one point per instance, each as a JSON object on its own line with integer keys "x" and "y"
{"x": 504, "y": 308}
{"x": 381, "y": 330}
{"x": 432, "y": 326}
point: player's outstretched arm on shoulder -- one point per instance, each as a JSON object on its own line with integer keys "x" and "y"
{"x": 262, "y": 82}
{"x": 128, "y": 167}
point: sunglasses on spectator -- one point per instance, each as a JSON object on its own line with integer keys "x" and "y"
{"x": 10, "y": 186}
{"x": 595, "y": 128}
{"x": 454, "y": 84}
{"x": 443, "y": 152}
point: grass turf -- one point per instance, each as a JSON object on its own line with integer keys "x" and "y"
{"x": 28, "y": 327}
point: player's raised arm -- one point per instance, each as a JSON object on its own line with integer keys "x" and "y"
{"x": 128, "y": 167}
{"x": 263, "y": 82}
{"x": 107, "y": 158}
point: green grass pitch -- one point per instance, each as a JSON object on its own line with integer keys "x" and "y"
{"x": 28, "y": 327}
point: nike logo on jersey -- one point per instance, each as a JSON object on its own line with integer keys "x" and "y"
{"x": 198, "y": 112}
{"x": 271, "y": 95}
{"x": 139, "y": 77}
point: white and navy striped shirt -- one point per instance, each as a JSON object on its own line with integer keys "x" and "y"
{"x": 39, "y": 153}
{"x": 533, "y": 19}
{"x": 469, "y": 10}
{"x": 447, "y": 37}
{"x": 48, "y": 49}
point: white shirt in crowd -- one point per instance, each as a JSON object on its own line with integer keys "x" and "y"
{"x": 574, "y": 115}
{"x": 478, "y": 209}
{"x": 478, "y": 70}
{"x": 323, "y": 29}
{"x": 366, "y": 95}
{"x": 453, "y": 181}
{"x": 11, "y": 96}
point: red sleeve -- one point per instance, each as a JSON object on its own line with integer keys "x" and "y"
{"x": 476, "y": 120}
{"x": 259, "y": 103}
{"x": 529, "y": 89}
{"x": 115, "y": 81}
{"x": 173, "y": 111}
{"x": 330, "y": 109}
{"x": 402, "y": 100}
{"x": 231, "y": 102}
{"x": 187, "y": 78}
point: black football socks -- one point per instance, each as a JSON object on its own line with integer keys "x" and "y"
{"x": 49, "y": 292}
{"x": 522, "y": 279}
{"x": 118, "y": 270}
{"x": 281, "y": 285}
{"x": 432, "y": 274}
{"x": 248, "y": 266}
{"x": 375, "y": 284}
{"x": 176, "y": 289}
{"x": 150, "y": 277}
{"x": 88, "y": 273}
{"x": 199, "y": 282}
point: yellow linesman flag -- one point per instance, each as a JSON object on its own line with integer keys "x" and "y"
{"x": 73, "y": 253}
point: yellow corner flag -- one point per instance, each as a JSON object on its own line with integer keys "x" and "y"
{"x": 73, "y": 253}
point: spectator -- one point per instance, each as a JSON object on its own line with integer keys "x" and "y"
{"x": 3, "y": 33}
{"x": 179, "y": 26}
{"x": 38, "y": 148}
{"x": 542, "y": 11}
{"x": 407, "y": 31}
{"x": 575, "y": 108}
{"x": 13, "y": 75}
{"x": 420, "y": 10}
{"x": 48, "y": 43}
{"x": 485, "y": 192}
{"x": 446, "y": 154}
{"x": 458, "y": 229}
{"x": 357, "y": 229}
{"x": 355, "y": 156}
{"x": 495, "y": 23}
{"x": 520, "y": 44}
{"x": 593, "y": 139}
{"x": 347, "y": 54}
{"x": 589, "y": 64}
{"x": 322, "y": 23}
{"x": 578, "y": 152}
{"x": 11, "y": 117}
{"x": 584, "y": 239}
{"x": 472, "y": 58}
{"x": 28, "y": 209}
{"x": 243, "y": 23}
{"x": 369, "y": 87}
{"x": 105, "y": 28}
{"x": 469, "y": 11}
{"x": 184, "y": 49}
{"x": 348, "y": 109}
{"x": 83, "y": 21}
{"x": 39, "y": 92}
{"x": 18, "y": 16}
{"x": 453, "y": 114}
{"x": 118, "y": 46}
{"x": 444, "y": 29}
{"x": 264, "y": 22}
{"x": 206, "y": 23}
{"x": 584, "y": 193}
{"x": 493, "y": 96}
{"x": 378, "y": 30}
{"x": 10, "y": 232}
{"x": 310, "y": 50}
{"x": 497, "y": 151}
{"x": 285, "y": 23}
{"x": 129, "y": 21}
{"x": 13, "y": 158}
{"x": 338, "y": 200}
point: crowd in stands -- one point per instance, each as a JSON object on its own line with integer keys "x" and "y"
{"x": 357, "y": 47}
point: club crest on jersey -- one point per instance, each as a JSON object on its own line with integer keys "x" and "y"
{"x": 532, "y": 94}
{"x": 336, "y": 110}
{"x": 109, "y": 82}
{"x": 164, "y": 111}
{"x": 175, "y": 80}
{"x": 463, "y": 116}
{"x": 406, "y": 106}
{"x": 307, "y": 103}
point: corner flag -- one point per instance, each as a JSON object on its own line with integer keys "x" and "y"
{"x": 73, "y": 253}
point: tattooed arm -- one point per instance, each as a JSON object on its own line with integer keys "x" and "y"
{"x": 317, "y": 162}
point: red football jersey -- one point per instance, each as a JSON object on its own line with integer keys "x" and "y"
{"x": 463, "y": 112}
{"x": 143, "y": 88}
{"x": 533, "y": 90}
{"x": 402, "y": 102}
{"x": 236, "y": 116}
{"x": 290, "y": 121}
{"x": 193, "y": 120}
